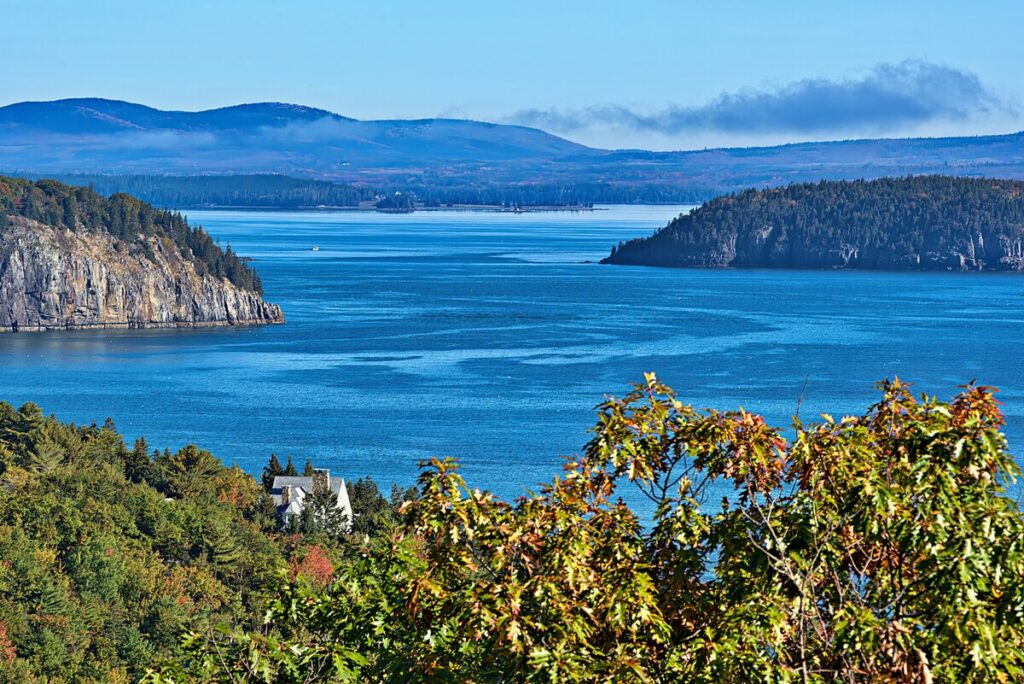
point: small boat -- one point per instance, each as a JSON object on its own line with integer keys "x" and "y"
{"x": 315, "y": 248}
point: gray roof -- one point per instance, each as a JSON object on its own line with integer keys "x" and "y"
{"x": 304, "y": 482}
{"x": 301, "y": 488}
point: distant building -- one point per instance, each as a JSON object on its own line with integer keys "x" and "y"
{"x": 289, "y": 493}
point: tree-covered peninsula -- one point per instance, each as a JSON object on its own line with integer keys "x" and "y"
{"x": 914, "y": 223}
{"x": 71, "y": 258}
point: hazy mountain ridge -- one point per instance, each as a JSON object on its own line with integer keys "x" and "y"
{"x": 95, "y": 136}
{"x": 98, "y": 115}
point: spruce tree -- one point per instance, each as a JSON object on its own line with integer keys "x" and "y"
{"x": 47, "y": 458}
{"x": 289, "y": 469}
{"x": 137, "y": 465}
{"x": 270, "y": 471}
{"x": 327, "y": 516}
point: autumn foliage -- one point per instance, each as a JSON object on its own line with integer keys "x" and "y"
{"x": 314, "y": 565}
{"x": 7, "y": 650}
{"x": 874, "y": 548}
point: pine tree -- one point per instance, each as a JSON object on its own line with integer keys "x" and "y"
{"x": 225, "y": 553}
{"x": 20, "y": 428}
{"x": 51, "y": 598}
{"x": 289, "y": 469}
{"x": 69, "y": 212}
{"x": 308, "y": 469}
{"x": 137, "y": 466}
{"x": 270, "y": 471}
{"x": 327, "y": 516}
{"x": 265, "y": 514}
{"x": 47, "y": 458}
{"x": 188, "y": 470}
{"x": 304, "y": 522}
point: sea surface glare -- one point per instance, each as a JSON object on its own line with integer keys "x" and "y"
{"x": 487, "y": 336}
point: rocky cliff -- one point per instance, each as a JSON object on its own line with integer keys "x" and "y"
{"x": 921, "y": 223}
{"x": 52, "y": 278}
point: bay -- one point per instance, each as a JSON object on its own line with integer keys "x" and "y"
{"x": 488, "y": 337}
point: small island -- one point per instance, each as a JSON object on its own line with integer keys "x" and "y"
{"x": 73, "y": 259}
{"x": 927, "y": 223}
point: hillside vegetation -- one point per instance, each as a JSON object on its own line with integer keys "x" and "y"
{"x": 913, "y": 223}
{"x": 110, "y": 553}
{"x": 124, "y": 217}
{"x": 877, "y": 548}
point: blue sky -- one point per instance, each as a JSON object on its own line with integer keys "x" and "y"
{"x": 642, "y": 74}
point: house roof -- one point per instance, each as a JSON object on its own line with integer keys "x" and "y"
{"x": 306, "y": 483}
{"x": 336, "y": 485}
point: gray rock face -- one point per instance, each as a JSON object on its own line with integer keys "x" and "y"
{"x": 990, "y": 249}
{"x": 55, "y": 279}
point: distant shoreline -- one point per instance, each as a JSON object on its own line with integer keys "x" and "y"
{"x": 491, "y": 208}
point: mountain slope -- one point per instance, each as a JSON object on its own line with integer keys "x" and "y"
{"x": 96, "y": 115}
{"x": 94, "y": 135}
{"x": 113, "y": 137}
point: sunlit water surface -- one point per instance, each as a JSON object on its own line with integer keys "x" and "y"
{"x": 489, "y": 337}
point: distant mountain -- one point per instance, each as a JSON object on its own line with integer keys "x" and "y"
{"x": 107, "y": 136}
{"x": 447, "y": 157}
{"x": 84, "y": 116}
{"x": 933, "y": 223}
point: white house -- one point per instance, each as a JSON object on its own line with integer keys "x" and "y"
{"x": 289, "y": 493}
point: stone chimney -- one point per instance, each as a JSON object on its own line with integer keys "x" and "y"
{"x": 286, "y": 495}
{"x": 321, "y": 480}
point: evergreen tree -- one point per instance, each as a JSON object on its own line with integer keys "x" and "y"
{"x": 328, "y": 518}
{"x": 270, "y": 471}
{"x": 265, "y": 512}
{"x": 189, "y": 470}
{"x": 48, "y": 457}
{"x": 373, "y": 509}
{"x": 222, "y": 545}
{"x": 289, "y": 469}
{"x": 303, "y": 523}
{"x": 137, "y": 466}
{"x": 69, "y": 211}
{"x": 308, "y": 469}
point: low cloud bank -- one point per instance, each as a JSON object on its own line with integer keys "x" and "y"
{"x": 888, "y": 97}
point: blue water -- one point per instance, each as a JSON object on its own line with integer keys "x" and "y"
{"x": 487, "y": 337}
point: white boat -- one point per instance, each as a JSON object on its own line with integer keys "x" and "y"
{"x": 315, "y": 248}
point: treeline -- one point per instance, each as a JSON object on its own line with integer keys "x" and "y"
{"x": 110, "y": 553}
{"x": 917, "y": 222}
{"x": 557, "y": 195}
{"x": 271, "y": 191}
{"x": 397, "y": 201}
{"x": 126, "y": 218}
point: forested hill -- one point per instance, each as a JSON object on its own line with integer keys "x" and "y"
{"x": 124, "y": 217}
{"x": 911, "y": 223}
{"x": 109, "y": 554}
{"x": 249, "y": 191}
